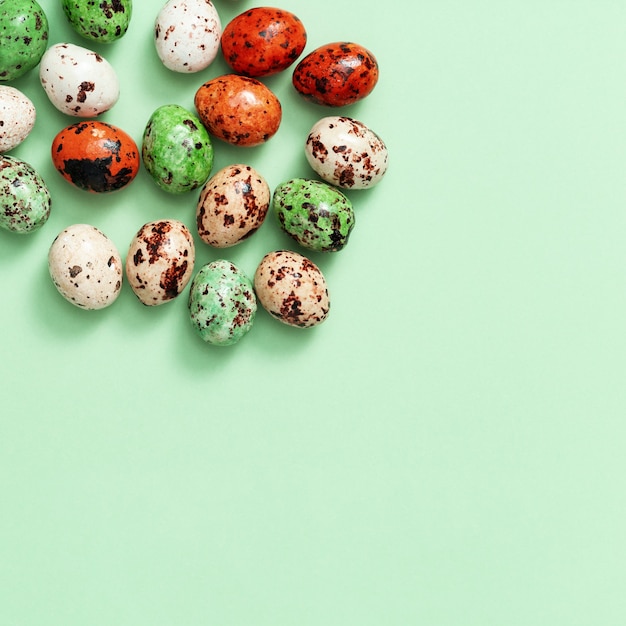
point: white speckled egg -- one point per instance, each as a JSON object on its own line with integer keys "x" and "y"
{"x": 346, "y": 153}
{"x": 187, "y": 35}
{"x": 17, "y": 117}
{"x": 78, "y": 81}
{"x": 85, "y": 267}
{"x": 160, "y": 261}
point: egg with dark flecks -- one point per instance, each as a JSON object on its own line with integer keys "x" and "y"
{"x": 96, "y": 156}
{"x": 103, "y": 22}
{"x": 17, "y": 117}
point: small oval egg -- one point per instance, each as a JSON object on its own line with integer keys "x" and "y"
{"x": 232, "y": 206}
{"x": 222, "y": 304}
{"x": 24, "y": 197}
{"x": 187, "y": 35}
{"x": 102, "y": 22}
{"x": 292, "y": 289}
{"x": 18, "y": 116}
{"x": 160, "y": 261}
{"x": 95, "y": 156}
{"x": 345, "y": 152}
{"x": 78, "y": 81}
{"x": 176, "y": 149}
{"x": 85, "y": 267}
{"x": 336, "y": 74}
{"x": 263, "y": 41}
{"x": 315, "y": 214}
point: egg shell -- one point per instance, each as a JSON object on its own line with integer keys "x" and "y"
{"x": 345, "y": 152}
{"x": 95, "y": 156}
{"x": 17, "y": 117}
{"x": 263, "y": 41}
{"x": 160, "y": 261}
{"x": 336, "y": 74}
{"x": 85, "y": 267}
{"x": 23, "y": 37}
{"x": 222, "y": 303}
{"x": 78, "y": 81}
{"x": 292, "y": 289}
{"x": 238, "y": 110}
{"x": 176, "y": 149}
{"x": 24, "y": 197}
{"x": 232, "y": 206}
{"x": 187, "y": 35}
{"x": 102, "y": 22}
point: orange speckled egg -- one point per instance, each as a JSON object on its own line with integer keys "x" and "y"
{"x": 239, "y": 110}
{"x": 95, "y": 156}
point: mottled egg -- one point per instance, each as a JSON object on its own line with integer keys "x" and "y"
{"x": 176, "y": 149}
{"x": 23, "y": 37}
{"x": 317, "y": 215}
{"x": 263, "y": 41}
{"x": 104, "y": 22}
{"x": 336, "y": 74}
{"x": 232, "y": 206}
{"x": 239, "y": 110}
{"x": 292, "y": 289}
{"x": 95, "y": 156}
{"x": 160, "y": 261}
{"x": 78, "y": 81}
{"x": 17, "y": 117}
{"x": 222, "y": 303}
{"x": 346, "y": 153}
{"x": 24, "y": 197}
{"x": 85, "y": 267}
{"x": 187, "y": 35}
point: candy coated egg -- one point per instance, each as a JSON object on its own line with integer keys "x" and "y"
{"x": 24, "y": 197}
{"x": 23, "y": 37}
{"x": 232, "y": 206}
{"x": 263, "y": 41}
{"x": 103, "y": 22}
{"x": 17, "y": 117}
{"x": 78, "y": 81}
{"x": 95, "y": 156}
{"x": 222, "y": 304}
{"x": 336, "y": 74}
{"x": 176, "y": 149}
{"x": 292, "y": 289}
{"x": 187, "y": 35}
{"x": 239, "y": 110}
{"x": 160, "y": 261}
{"x": 85, "y": 267}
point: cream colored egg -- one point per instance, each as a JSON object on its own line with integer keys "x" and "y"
{"x": 17, "y": 117}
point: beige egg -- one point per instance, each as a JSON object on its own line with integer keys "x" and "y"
{"x": 17, "y": 117}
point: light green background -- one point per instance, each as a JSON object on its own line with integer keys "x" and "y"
{"x": 446, "y": 450}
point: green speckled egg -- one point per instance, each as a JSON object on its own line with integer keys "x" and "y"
{"x": 177, "y": 150}
{"x": 222, "y": 303}
{"x": 24, "y": 197}
{"x": 23, "y": 37}
{"x": 318, "y": 216}
{"x": 104, "y": 21}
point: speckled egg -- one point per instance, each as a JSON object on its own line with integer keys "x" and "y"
{"x": 103, "y": 22}
{"x": 24, "y": 197}
{"x": 292, "y": 289}
{"x": 78, "y": 81}
{"x": 263, "y": 41}
{"x": 239, "y": 110}
{"x": 232, "y": 206}
{"x": 85, "y": 267}
{"x": 160, "y": 261}
{"x": 176, "y": 149}
{"x": 187, "y": 35}
{"x": 17, "y": 117}
{"x": 336, "y": 74}
{"x": 222, "y": 303}
{"x": 317, "y": 215}
{"x": 23, "y": 37}
{"x": 95, "y": 156}
{"x": 345, "y": 152}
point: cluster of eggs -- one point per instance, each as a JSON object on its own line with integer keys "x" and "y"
{"x": 177, "y": 151}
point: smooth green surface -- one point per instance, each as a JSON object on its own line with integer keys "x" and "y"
{"x": 447, "y": 449}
